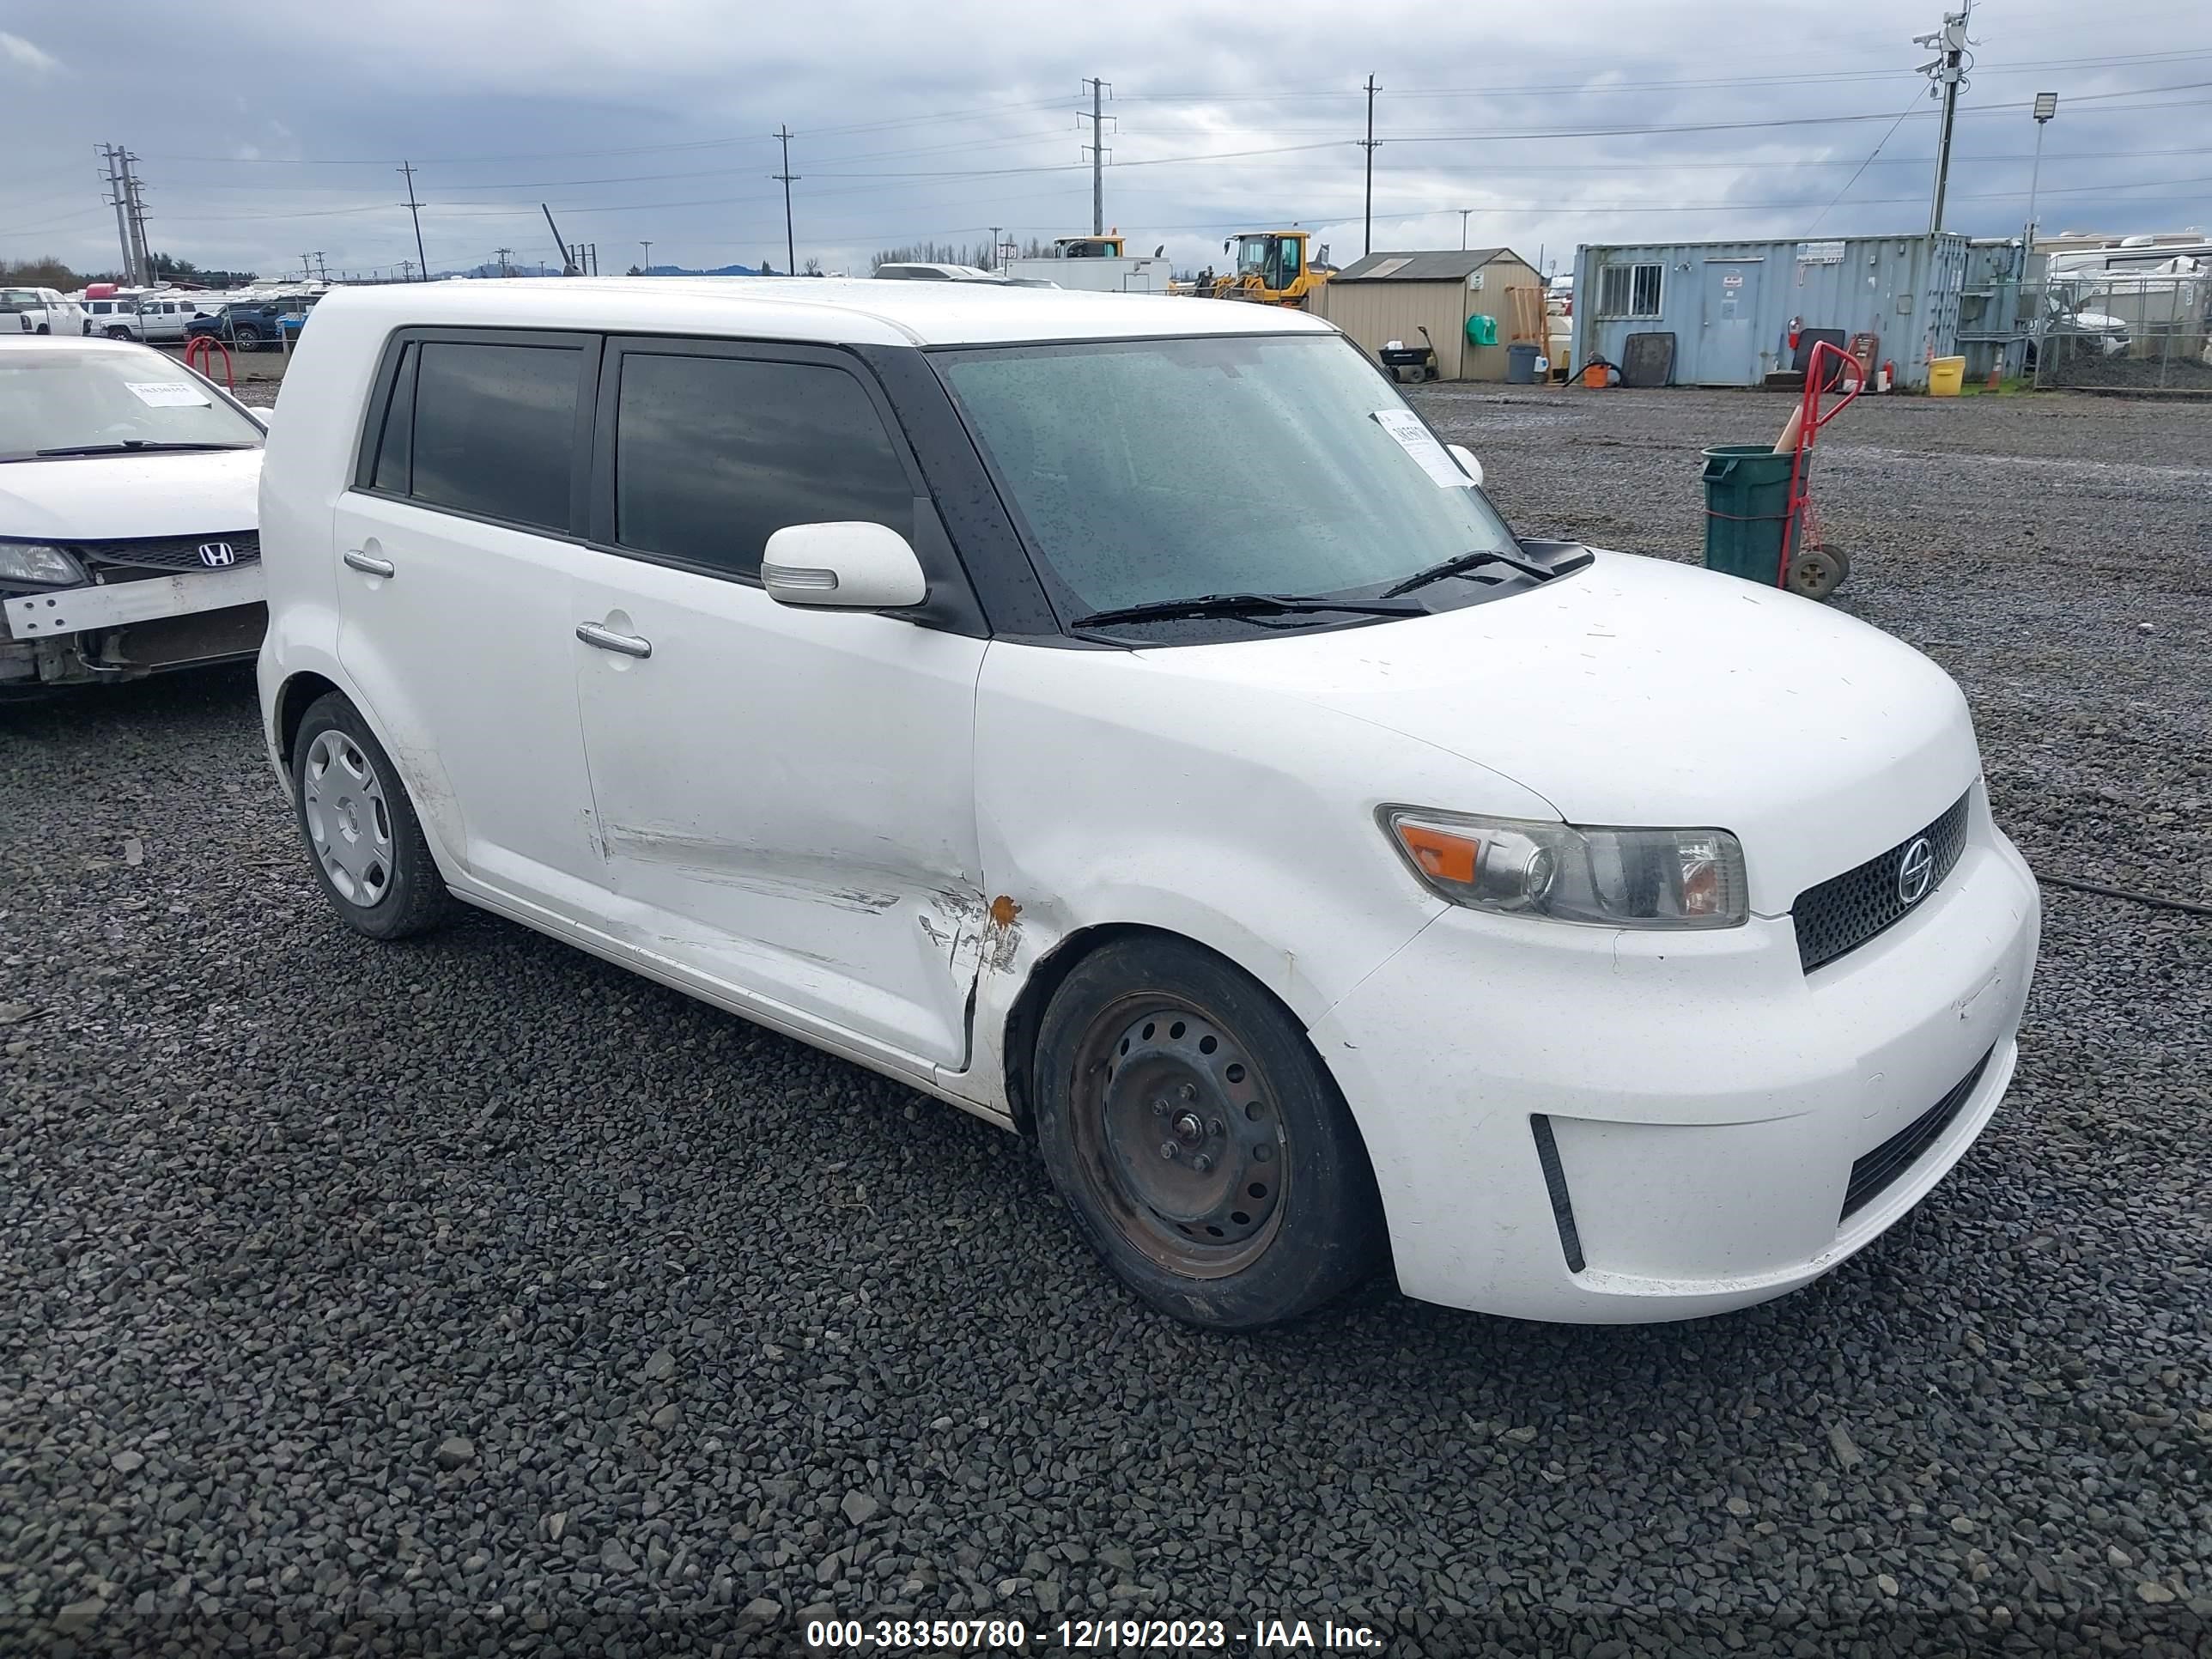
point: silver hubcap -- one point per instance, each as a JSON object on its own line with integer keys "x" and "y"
{"x": 348, "y": 824}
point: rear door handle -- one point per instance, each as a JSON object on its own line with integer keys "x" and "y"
{"x": 606, "y": 639}
{"x": 367, "y": 563}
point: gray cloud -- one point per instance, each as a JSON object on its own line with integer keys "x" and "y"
{"x": 1595, "y": 122}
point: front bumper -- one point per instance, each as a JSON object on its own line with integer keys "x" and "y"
{"x": 1705, "y": 1099}
{"x": 118, "y": 604}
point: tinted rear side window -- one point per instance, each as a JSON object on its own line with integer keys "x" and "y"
{"x": 495, "y": 430}
{"x": 714, "y": 454}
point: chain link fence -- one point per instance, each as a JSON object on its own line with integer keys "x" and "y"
{"x": 2135, "y": 331}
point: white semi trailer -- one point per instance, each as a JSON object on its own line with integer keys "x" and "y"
{"x": 1098, "y": 263}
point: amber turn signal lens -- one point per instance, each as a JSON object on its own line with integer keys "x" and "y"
{"x": 1445, "y": 857}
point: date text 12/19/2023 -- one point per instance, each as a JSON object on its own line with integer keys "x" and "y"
{"x": 1108, "y": 1635}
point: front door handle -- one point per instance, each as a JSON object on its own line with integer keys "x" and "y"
{"x": 367, "y": 563}
{"x": 606, "y": 639}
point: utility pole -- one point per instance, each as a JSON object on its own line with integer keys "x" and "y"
{"x": 113, "y": 154}
{"x": 415, "y": 210}
{"x": 646, "y": 263}
{"x": 132, "y": 185}
{"x": 322, "y": 270}
{"x": 1947, "y": 73}
{"x": 499, "y": 254}
{"x": 1463, "y": 212}
{"x": 1098, "y": 117}
{"x": 307, "y": 266}
{"x": 406, "y": 271}
{"x": 789, "y": 178}
{"x": 995, "y": 230}
{"x": 1368, "y": 144}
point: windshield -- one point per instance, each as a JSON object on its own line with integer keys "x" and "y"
{"x": 64, "y": 398}
{"x": 1146, "y": 471}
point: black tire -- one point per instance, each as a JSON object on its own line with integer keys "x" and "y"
{"x": 1120, "y": 1041}
{"x": 413, "y": 897}
{"x": 118, "y": 333}
{"x": 248, "y": 337}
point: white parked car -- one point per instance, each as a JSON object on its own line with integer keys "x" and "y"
{"x": 128, "y": 539}
{"x": 1319, "y": 872}
{"x": 38, "y": 311}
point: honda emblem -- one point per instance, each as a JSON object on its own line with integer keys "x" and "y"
{"x": 215, "y": 555}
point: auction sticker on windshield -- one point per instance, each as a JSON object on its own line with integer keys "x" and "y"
{"x": 1418, "y": 442}
{"x": 166, "y": 394}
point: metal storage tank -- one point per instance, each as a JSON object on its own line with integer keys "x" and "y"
{"x": 1730, "y": 305}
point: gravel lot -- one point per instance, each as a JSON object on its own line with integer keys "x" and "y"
{"x": 475, "y": 1296}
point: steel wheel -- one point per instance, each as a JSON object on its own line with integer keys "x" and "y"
{"x": 348, "y": 821}
{"x": 1177, "y": 1133}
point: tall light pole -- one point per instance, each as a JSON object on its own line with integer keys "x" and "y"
{"x": 1463, "y": 212}
{"x": 646, "y": 263}
{"x": 2046, "y": 106}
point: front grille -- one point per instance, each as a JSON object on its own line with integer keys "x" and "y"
{"x": 1846, "y": 911}
{"x": 124, "y": 562}
{"x": 1872, "y": 1174}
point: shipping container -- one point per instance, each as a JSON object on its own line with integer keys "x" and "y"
{"x": 1733, "y": 307}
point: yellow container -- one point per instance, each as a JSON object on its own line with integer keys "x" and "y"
{"x": 1945, "y": 376}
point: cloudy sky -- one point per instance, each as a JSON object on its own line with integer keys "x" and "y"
{"x": 1556, "y": 124}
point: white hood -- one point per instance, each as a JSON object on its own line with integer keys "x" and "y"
{"x": 1644, "y": 692}
{"x": 105, "y": 498}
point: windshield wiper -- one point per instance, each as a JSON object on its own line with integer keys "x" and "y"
{"x": 1462, "y": 563}
{"x": 131, "y": 446}
{"x": 1243, "y": 605}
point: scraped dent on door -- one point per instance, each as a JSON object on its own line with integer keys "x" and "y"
{"x": 849, "y": 884}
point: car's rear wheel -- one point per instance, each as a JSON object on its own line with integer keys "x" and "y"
{"x": 362, "y": 836}
{"x": 248, "y": 336}
{"x": 1199, "y": 1142}
{"x": 118, "y": 333}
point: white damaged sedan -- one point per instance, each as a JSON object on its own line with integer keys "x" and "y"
{"x": 128, "y": 517}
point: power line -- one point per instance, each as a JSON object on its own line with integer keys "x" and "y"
{"x": 1864, "y": 165}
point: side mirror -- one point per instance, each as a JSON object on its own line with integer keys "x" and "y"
{"x": 852, "y": 566}
{"x": 1467, "y": 464}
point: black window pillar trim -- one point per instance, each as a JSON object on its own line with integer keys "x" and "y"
{"x": 1011, "y": 596}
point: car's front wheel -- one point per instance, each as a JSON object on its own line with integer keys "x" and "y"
{"x": 362, "y": 836}
{"x": 1199, "y": 1142}
{"x": 118, "y": 333}
{"x": 248, "y": 337}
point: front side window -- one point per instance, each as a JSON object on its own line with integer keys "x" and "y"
{"x": 18, "y": 299}
{"x": 494, "y": 431}
{"x": 1150, "y": 470}
{"x": 714, "y": 454}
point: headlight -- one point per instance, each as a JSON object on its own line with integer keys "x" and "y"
{"x": 1657, "y": 879}
{"x": 34, "y": 561}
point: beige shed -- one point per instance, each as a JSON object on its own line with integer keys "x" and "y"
{"x": 1388, "y": 296}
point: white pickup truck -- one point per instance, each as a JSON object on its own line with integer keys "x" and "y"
{"x": 152, "y": 316}
{"x": 38, "y": 311}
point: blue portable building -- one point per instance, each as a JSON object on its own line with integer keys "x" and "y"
{"x": 1732, "y": 306}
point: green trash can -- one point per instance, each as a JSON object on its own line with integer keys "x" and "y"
{"x": 1746, "y": 506}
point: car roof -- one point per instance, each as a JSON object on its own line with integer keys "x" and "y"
{"x": 855, "y": 311}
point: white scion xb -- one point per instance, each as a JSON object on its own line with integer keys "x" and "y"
{"x": 1121, "y": 717}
